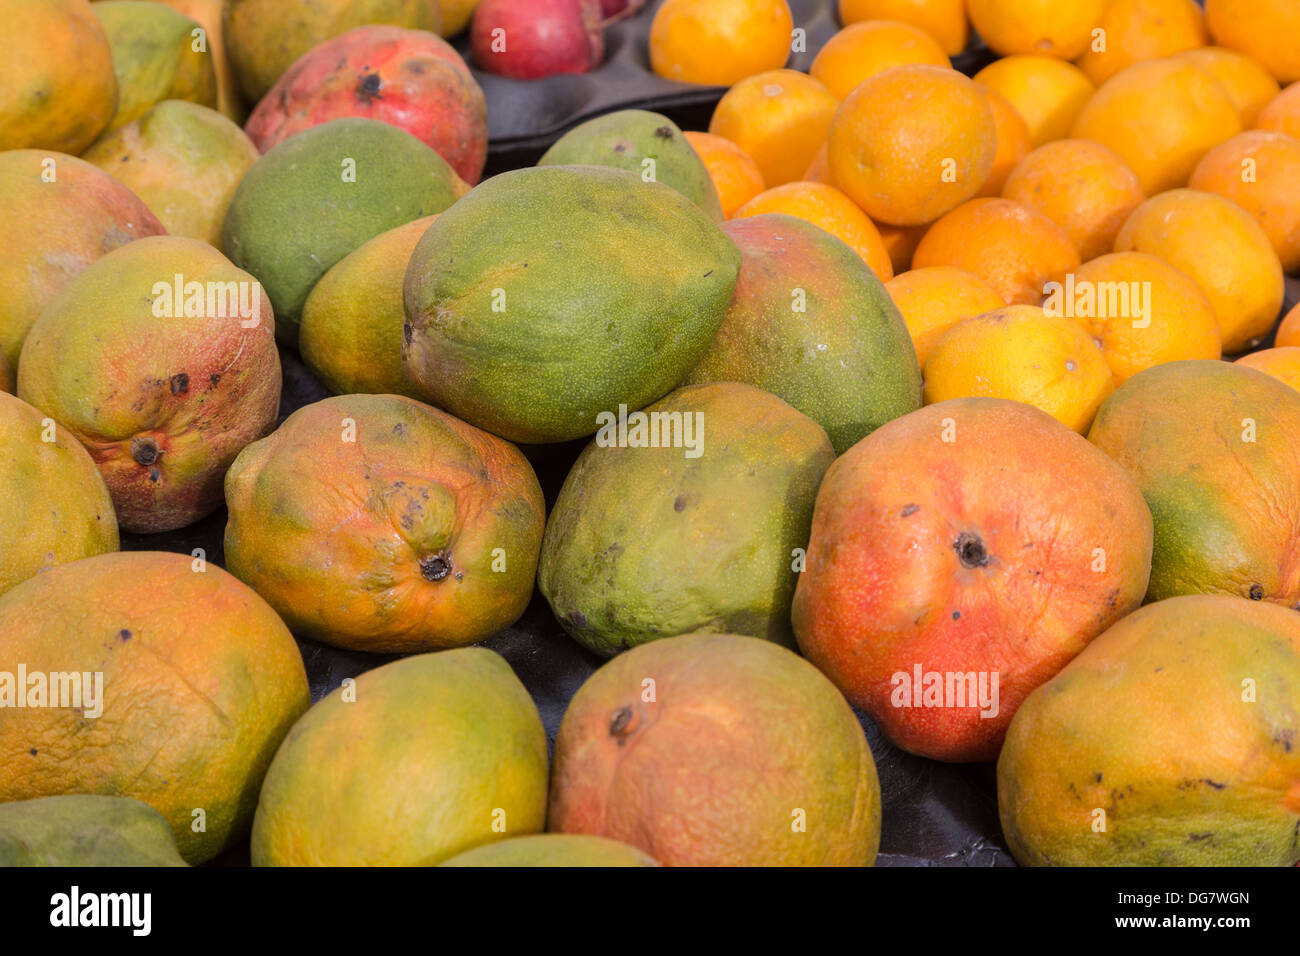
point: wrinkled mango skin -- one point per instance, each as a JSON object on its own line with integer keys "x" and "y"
{"x": 374, "y": 522}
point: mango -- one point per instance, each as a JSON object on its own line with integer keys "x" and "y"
{"x": 68, "y": 213}
{"x": 209, "y": 15}
{"x": 157, "y": 55}
{"x": 1170, "y": 741}
{"x": 265, "y": 37}
{"x": 351, "y": 331}
{"x": 717, "y": 750}
{"x": 188, "y": 683}
{"x": 648, "y": 144}
{"x": 422, "y": 759}
{"x": 85, "y": 830}
{"x": 57, "y": 86}
{"x": 549, "y": 295}
{"x": 184, "y": 161}
{"x": 810, "y": 322}
{"x": 319, "y": 195}
{"x": 374, "y": 522}
{"x": 1215, "y": 448}
{"x": 160, "y": 358}
{"x": 410, "y": 78}
{"x": 57, "y": 506}
{"x": 960, "y": 556}
{"x": 697, "y": 534}
{"x": 553, "y": 850}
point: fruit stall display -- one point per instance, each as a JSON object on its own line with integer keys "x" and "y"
{"x": 611, "y": 433}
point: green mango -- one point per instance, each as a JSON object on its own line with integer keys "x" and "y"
{"x": 550, "y": 295}
{"x": 85, "y": 830}
{"x": 648, "y": 144}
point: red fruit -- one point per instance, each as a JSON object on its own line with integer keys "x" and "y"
{"x": 528, "y": 39}
{"x": 408, "y": 78}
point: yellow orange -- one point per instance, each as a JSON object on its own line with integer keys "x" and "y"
{"x": 1268, "y": 30}
{"x": 1223, "y": 248}
{"x": 719, "y": 42}
{"x": 1281, "y": 363}
{"x": 933, "y": 300}
{"x": 1048, "y": 93}
{"x": 735, "y": 175}
{"x": 1288, "y": 333}
{"x": 828, "y": 208}
{"x": 1021, "y": 353}
{"x": 780, "y": 118}
{"x": 1013, "y": 248}
{"x": 1282, "y": 112}
{"x": 1013, "y": 142}
{"x": 1161, "y": 116}
{"x": 819, "y": 170}
{"x": 1142, "y": 30}
{"x": 945, "y": 20}
{"x": 1060, "y": 28}
{"x": 1259, "y": 170}
{"x": 901, "y": 242}
{"x": 1140, "y": 310}
{"x": 912, "y": 143}
{"x": 1247, "y": 83}
{"x": 861, "y": 50}
{"x": 1082, "y": 186}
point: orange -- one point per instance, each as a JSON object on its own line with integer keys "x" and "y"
{"x": 1288, "y": 333}
{"x": 780, "y": 118}
{"x": 1140, "y": 310}
{"x": 1013, "y": 142}
{"x": 901, "y": 242}
{"x": 1281, "y": 363}
{"x": 1142, "y": 30}
{"x": 735, "y": 175}
{"x": 1082, "y": 186}
{"x": 1282, "y": 112}
{"x": 1259, "y": 170}
{"x": 933, "y": 300}
{"x": 1268, "y": 30}
{"x": 719, "y": 42}
{"x": 1010, "y": 246}
{"x": 1223, "y": 248}
{"x": 912, "y": 143}
{"x": 861, "y": 50}
{"x": 1048, "y": 93}
{"x": 1021, "y": 353}
{"x": 1060, "y": 28}
{"x": 819, "y": 170}
{"x": 1247, "y": 83}
{"x": 1161, "y": 116}
{"x": 828, "y": 208}
{"x": 945, "y": 20}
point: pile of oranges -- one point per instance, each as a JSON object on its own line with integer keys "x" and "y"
{"x": 1149, "y": 147}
